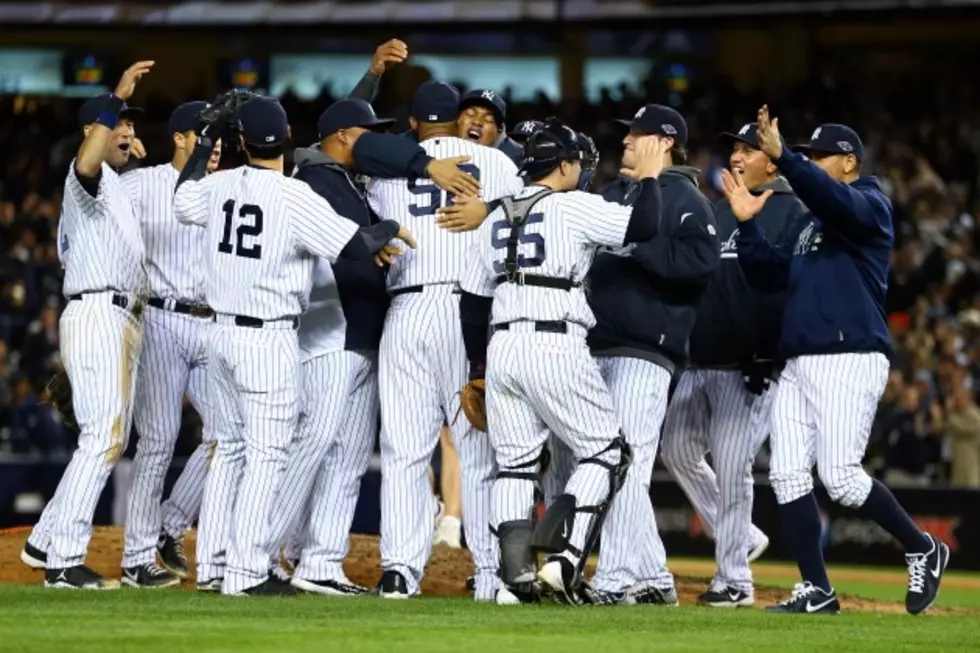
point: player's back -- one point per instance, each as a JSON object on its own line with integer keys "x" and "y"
{"x": 254, "y": 265}
{"x": 558, "y": 241}
{"x": 441, "y": 255}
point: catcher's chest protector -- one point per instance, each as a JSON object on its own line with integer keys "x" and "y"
{"x": 516, "y": 212}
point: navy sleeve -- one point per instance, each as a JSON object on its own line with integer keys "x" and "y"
{"x": 690, "y": 254}
{"x": 197, "y": 164}
{"x": 367, "y": 88}
{"x": 474, "y": 318}
{"x": 839, "y": 206}
{"x": 389, "y": 156}
{"x": 645, "y": 217}
{"x": 766, "y": 267}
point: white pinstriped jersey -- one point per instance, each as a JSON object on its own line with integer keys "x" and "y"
{"x": 174, "y": 251}
{"x": 264, "y": 232}
{"x": 559, "y": 240}
{"x": 441, "y": 255}
{"x": 99, "y": 241}
{"x": 323, "y": 328}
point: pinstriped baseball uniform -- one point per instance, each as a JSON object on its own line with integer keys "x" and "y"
{"x": 335, "y": 438}
{"x": 173, "y": 362}
{"x": 262, "y": 276}
{"x": 101, "y": 250}
{"x": 423, "y": 365}
{"x": 539, "y": 381}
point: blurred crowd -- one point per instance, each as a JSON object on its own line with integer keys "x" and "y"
{"x": 924, "y": 145}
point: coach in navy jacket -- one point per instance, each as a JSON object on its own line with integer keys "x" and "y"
{"x": 360, "y": 283}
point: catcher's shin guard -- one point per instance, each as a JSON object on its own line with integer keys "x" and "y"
{"x": 552, "y": 533}
{"x": 518, "y": 563}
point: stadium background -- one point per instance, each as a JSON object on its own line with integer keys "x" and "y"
{"x": 902, "y": 73}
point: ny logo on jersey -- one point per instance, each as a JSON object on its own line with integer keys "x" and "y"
{"x": 745, "y": 129}
{"x": 809, "y": 240}
{"x": 488, "y": 95}
{"x": 816, "y": 134}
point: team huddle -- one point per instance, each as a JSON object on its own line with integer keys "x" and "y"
{"x": 387, "y": 275}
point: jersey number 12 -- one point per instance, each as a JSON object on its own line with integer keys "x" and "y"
{"x": 250, "y": 224}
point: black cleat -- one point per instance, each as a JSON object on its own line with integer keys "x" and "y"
{"x": 149, "y": 576}
{"x": 171, "y": 551}
{"x": 272, "y": 586}
{"x": 925, "y": 574}
{"x": 726, "y": 597}
{"x": 651, "y": 595}
{"x": 78, "y": 577}
{"x": 393, "y": 586}
{"x": 471, "y": 584}
{"x": 559, "y": 575}
{"x": 588, "y": 595}
{"x": 33, "y": 557}
{"x": 212, "y": 585}
{"x": 807, "y": 599}
{"x": 329, "y": 587}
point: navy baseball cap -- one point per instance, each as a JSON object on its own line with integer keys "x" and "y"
{"x": 748, "y": 134}
{"x": 522, "y": 130}
{"x": 90, "y": 111}
{"x": 435, "y": 102}
{"x": 185, "y": 117}
{"x": 262, "y": 121}
{"x": 833, "y": 138}
{"x": 344, "y": 114}
{"x": 658, "y": 119}
{"x": 483, "y": 97}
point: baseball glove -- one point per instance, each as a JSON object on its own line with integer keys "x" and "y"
{"x": 58, "y": 393}
{"x": 472, "y": 400}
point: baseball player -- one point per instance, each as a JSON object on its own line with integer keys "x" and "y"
{"x": 338, "y": 339}
{"x": 258, "y": 283}
{"x": 173, "y": 362}
{"x": 833, "y": 263}
{"x": 721, "y": 403}
{"x": 528, "y": 264}
{"x": 101, "y": 249}
{"x": 482, "y": 118}
{"x": 422, "y": 361}
{"x": 644, "y": 300}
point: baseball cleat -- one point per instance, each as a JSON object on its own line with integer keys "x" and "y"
{"x": 726, "y": 597}
{"x": 33, "y": 557}
{"x": 756, "y": 552}
{"x": 210, "y": 585}
{"x": 449, "y": 532}
{"x": 651, "y": 595}
{"x": 329, "y": 587}
{"x": 393, "y": 586}
{"x": 559, "y": 575}
{"x": 78, "y": 577}
{"x": 518, "y": 594}
{"x": 588, "y": 595}
{"x": 271, "y": 586}
{"x": 807, "y": 599}
{"x": 471, "y": 583}
{"x": 149, "y": 576}
{"x": 925, "y": 575}
{"x": 171, "y": 552}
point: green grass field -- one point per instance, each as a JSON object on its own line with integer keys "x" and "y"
{"x": 32, "y": 619}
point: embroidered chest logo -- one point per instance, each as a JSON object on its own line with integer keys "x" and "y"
{"x": 730, "y": 246}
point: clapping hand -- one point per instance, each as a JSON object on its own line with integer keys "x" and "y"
{"x": 744, "y": 204}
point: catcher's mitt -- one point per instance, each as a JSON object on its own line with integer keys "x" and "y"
{"x": 472, "y": 401}
{"x": 58, "y": 393}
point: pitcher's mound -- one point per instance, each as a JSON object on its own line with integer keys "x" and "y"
{"x": 445, "y": 575}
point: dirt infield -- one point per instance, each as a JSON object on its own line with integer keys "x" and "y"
{"x": 445, "y": 574}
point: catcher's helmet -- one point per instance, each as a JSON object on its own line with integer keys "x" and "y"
{"x": 590, "y": 161}
{"x": 546, "y": 148}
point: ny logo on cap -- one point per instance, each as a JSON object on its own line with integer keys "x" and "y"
{"x": 488, "y": 95}
{"x": 670, "y": 130}
{"x": 845, "y": 146}
{"x": 526, "y": 127}
{"x": 745, "y": 130}
{"x": 816, "y": 134}
{"x": 640, "y": 113}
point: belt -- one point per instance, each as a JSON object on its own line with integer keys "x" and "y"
{"x": 122, "y": 301}
{"x": 196, "y": 310}
{"x": 256, "y": 323}
{"x": 547, "y": 326}
{"x": 416, "y": 289}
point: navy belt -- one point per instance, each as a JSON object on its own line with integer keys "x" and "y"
{"x": 256, "y": 323}
{"x": 545, "y": 326}
{"x": 122, "y": 301}
{"x": 195, "y": 310}
{"x": 415, "y": 289}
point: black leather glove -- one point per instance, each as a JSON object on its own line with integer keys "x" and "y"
{"x": 219, "y": 116}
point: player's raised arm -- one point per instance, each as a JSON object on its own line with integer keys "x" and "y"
{"x": 387, "y": 54}
{"x": 215, "y": 120}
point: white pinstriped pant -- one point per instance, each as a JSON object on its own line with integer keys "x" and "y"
{"x": 561, "y": 392}
{"x": 822, "y": 413}
{"x": 173, "y": 361}
{"x": 711, "y": 410}
{"x": 631, "y": 551}
{"x": 100, "y": 348}
{"x": 327, "y": 459}
{"x": 254, "y": 379}
{"x": 422, "y": 366}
